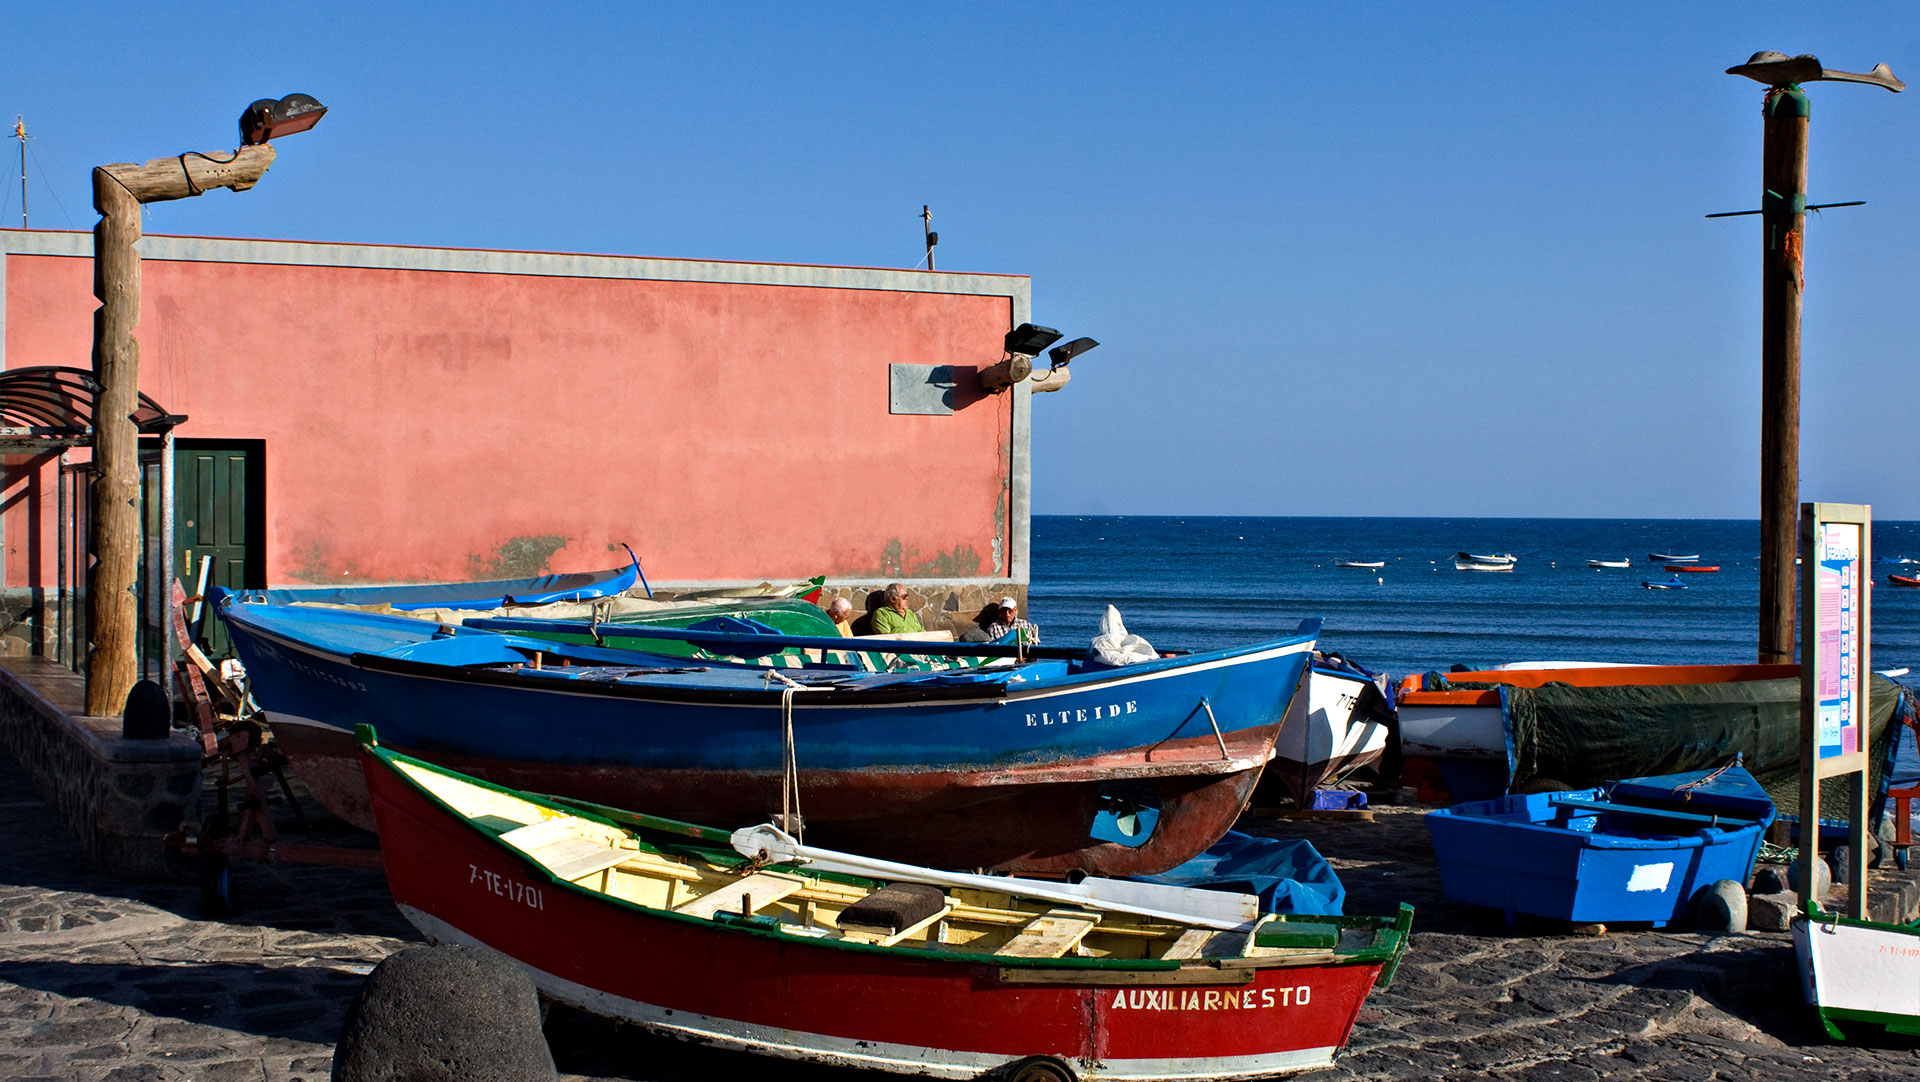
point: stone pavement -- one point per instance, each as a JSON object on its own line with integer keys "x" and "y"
{"x": 106, "y": 982}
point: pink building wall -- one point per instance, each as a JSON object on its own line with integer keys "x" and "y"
{"x": 435, "y": 415}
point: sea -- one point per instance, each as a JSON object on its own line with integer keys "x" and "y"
{"x": 1202, "y": 583}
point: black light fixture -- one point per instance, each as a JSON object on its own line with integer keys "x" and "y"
{"x": 269, "y": 119}
{"x": 1060, "y": 355}
{"x": 1027, "y": 340}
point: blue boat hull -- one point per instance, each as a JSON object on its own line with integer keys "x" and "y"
{"x": 541, "y": 590}
{"x": 1008, "y": 768}
{"x": 1627, "y": 853}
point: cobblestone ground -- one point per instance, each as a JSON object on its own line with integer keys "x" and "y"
{"x": 107, "y": 982}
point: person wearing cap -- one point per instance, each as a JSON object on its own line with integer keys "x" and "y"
{"x": 894, "y": 618}
{"x": 1009, "y": 620}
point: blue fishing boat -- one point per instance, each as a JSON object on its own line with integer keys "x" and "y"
{"x": 1673, "y": 583}
{"x": 1634, "y": 851}
{"x": 541, "y": 590}
{"x": 1008, "y": 766}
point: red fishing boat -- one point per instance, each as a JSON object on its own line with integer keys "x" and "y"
{"x": 663, "y": 924}
{"x": 1692, "y": 567}
{"x": 1903, "y": 580}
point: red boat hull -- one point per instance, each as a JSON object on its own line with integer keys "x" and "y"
{"x": 769, "y": 993}
{"x": 1013, "y": 821}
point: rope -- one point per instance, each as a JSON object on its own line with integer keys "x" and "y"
{"x": 790, "y": 818}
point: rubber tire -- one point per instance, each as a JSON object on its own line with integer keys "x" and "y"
{"x": 1038, "y": 1069}
{"x": 1543, "y": 785}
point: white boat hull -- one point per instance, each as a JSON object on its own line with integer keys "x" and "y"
{"x": 1324, "y": 734}
{"x": 1857, "y": 971}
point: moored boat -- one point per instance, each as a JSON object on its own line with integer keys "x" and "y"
{"x": 1339, "y": 722}
{"x": 1694, "y": 568}
{"x": 1610, "y": 563}
{"x": 1478, "y": 565}
{"x": 1903, "y": 580}
{"x": 499, "y": 593}
{"x": 662, "y": 924}
{"x": 1637, "y": 850}
{"x": 1486, "y": 558}
{"x": 1367, "y": 565}
{"x": 1673, "y": 583}
{"x": 1003, "y": 766}
{"x": 1858, "y": 971}
{"x": 1671, "y": 558}
{"x": 1475, "y": 734}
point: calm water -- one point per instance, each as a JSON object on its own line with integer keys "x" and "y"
{"x": 1201, "y": 583}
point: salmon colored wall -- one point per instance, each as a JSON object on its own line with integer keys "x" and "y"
{"x": 433, "y": 425}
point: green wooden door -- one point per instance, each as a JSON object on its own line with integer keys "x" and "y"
{"x": 219, "y": 518}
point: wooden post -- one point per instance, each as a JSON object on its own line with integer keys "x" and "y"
{"x": 1783, "y": 202}
{"x": 114, "y": 528}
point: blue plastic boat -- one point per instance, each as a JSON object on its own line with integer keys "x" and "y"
{"x": 573, "y": 586}
{"x": 1636, "y": 851}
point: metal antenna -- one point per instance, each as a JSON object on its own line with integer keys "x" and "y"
{"x": 926, "y": 219}
{"x": 20, "y": 133}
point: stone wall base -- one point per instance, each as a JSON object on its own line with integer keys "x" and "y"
{"x": 120, "y": 798}
{"x": 940, "y": 606}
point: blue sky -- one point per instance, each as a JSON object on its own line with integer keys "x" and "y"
{"x": 1343, "y": 259}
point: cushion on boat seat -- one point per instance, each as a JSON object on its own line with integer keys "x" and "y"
{"x": 894, "y": 907}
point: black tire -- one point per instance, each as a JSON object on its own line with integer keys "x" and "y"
{"x": 1544, "y": 785}
{"x": 1038, "y": 1069}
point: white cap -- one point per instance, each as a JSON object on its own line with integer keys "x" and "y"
{"x": 1009, "y": 603}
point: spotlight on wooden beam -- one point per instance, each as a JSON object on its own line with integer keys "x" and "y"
{"x": 269, "y": 119}
{"x": 1027, "y": 340}
{"x": 1060, "y": 355}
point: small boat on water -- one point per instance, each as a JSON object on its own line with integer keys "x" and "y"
{"x": 1673, "y": 583}
{"x": 1637, "y": 850}
{"x": 1693, "y": 568}
{"x": 1476, "y": 565}
{"x": 1609, "y": 563}
{"x": 750, "y": 941}
{"x": 1486, "y": 558}
{"x": 1858, "y": 971}
{"x": 1367, "y": 565}
{"x": 1670, "y": 558}
{"x": 1903, "y": 580}
{"x": 1005, "y": 766}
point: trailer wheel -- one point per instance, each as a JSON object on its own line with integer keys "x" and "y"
{"x": 1038, "y": 1069}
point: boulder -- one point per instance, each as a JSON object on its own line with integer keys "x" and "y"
{"x": 1770, "y": 879}
{"x": 1721, "y": 906}
{"x": 1822, "y": 876}
{"x": 1772, "y": 912}
{"x": 444, "y": 1014}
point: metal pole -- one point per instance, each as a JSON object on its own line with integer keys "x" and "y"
{"x": 167, "y": 570}
{"x": 1783, "y": 203}
{"x": 64, "y": 534}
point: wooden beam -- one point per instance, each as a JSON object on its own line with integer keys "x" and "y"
{"x": 189, "y": 174}
{"x": 114, "y": 524}
{"x": 115, "y": 537}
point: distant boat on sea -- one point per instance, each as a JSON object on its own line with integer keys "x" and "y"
{"x": 1673, "y": 583}
{"x": 1667, "y": 558}
{"x": 1475, "y": 565}
{"x": 1486, "y": 558}
{"x": 1903, "y": 580}
{"x": 1609, "y": 563}
{"x": 1370, "y": 565}
{"x": 1693, "y": 567}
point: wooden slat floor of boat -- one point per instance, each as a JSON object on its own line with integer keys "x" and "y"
{"x": 1190, "y": 944}
{"x": 758, "y": 889}
{"x": 1051, "y": 934}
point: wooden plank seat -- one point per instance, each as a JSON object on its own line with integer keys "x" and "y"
{"x": 1051, "y": 934}
{"x": 757, "y": 890}
{"x": 556, "y": 845}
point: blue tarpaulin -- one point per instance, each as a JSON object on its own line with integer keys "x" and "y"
{"x": 1288, "y": 876}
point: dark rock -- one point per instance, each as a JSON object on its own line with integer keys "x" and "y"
{"x": 1720, "y": 906}
{"x": 444, "y": 1014}
{"x": 1770, "y": 879}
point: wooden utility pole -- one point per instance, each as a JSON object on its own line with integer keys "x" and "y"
{"x": 1783, "y": 214}
{"x": 114, "y": 529}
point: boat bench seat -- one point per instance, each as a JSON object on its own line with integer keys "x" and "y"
{"x": 556, "y": 845}
{"x": 744, "y": 896}
{"x": 1610, "y": 808}
{"x": 1051, "y": 934}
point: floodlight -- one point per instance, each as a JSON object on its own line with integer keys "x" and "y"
{"x": 1060, "y": 355}
{"x": 268, "y": 119}
{"x": 1027, "y": 340}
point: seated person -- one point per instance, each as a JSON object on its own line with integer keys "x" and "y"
{"x": 840, "y": 611}
{"x": 894, "y": 618}
{"x": 1009, "y": 620}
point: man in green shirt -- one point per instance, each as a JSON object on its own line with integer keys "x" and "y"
{"x": 893, "y": 618}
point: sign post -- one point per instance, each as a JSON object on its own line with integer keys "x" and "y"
{"x": 1836, "y": 570}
